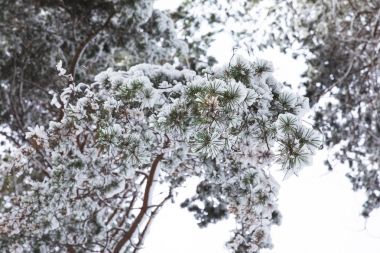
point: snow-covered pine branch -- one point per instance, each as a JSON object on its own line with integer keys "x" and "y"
{"x": 128, "y": 130}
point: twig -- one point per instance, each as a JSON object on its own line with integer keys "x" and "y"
{"x": 154, "y": 212}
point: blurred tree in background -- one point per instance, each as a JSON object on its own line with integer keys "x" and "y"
{"x": 342, "y": 39}
{"x": 86, "y": 35}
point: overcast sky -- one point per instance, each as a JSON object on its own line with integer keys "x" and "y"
{"x": 320, "y": 211}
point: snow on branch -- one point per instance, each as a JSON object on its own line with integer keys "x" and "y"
{"x": 129, "y": 130}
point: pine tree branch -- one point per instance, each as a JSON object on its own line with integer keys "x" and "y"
{"x": 144, "y": 207}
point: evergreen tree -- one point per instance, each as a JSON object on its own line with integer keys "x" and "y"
{"x": 86, "y": 182}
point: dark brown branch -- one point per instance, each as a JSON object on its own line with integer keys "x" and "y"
{"x": 83, "y": 45}
{"x": 81, "y": 144}
{"x": 11, "y": 138}
{"x": 128, "y": 211}
{"x": 70, "y": 249}
{"x": 11, "y": 102}
{"x": 144, "y": 207}
{"x": 375, "y": 29}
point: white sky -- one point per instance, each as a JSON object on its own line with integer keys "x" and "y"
{"x": 320, "y": 210}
